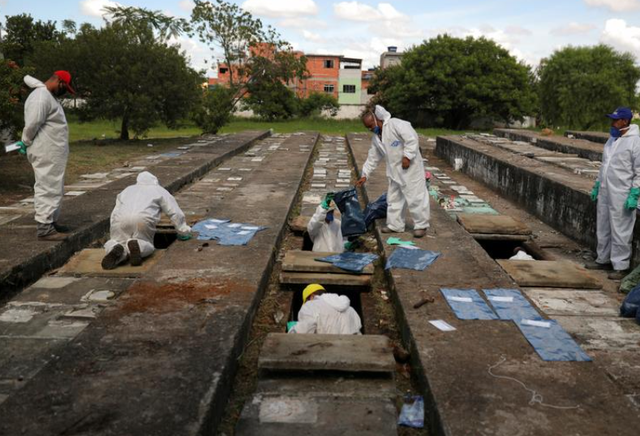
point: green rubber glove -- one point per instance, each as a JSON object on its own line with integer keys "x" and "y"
{"x": 595, "y": 190}
{"x": 184, "y": 236}
{"x": 23, "y": 147}
{"x": 632, "y": 199}
{"x": 326, "y": 203}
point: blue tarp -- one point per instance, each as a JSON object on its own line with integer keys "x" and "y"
{"x": 353, "y": 262}
{"x": 511, "y": 304}
{"x": 467, "y": 304}
{"x": 552, "y": 342}
{"x": 631, "y": 305}
{"x": 225, "y": 232}
{"x": 411, "y": 258}
{"x": 352, "y": 218}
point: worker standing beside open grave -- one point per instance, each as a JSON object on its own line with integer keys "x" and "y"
{"x": 326, "y": 313}
{"x": 45, "y": 141}
{"x": 325, "y": 227}
{"x": 397, "y": 142}
{"x": 617, "y": 190}
{"x": 133, "y": 221}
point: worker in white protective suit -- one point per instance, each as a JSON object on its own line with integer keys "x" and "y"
{"x": 617, "y": 190}
{"x": 397, "y": 142}
{"x": 134, "y": 219}
{"x": 324, "y": 228}
{"x": 45, "y": 141}
{"x": 325, "y": 313}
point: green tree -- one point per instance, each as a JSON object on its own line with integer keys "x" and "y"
{"x": 451, "y": 82}
{"x": 316, "y": 103}
{"x": 214, "y": 111}
{"x": 22, "y": 33}
{"x": 272, "y": 100}
{"x": 579, "y": 85}
{"x": 12, "y": 96}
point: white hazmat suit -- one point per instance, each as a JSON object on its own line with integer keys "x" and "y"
{"x": 137, "y": 212}
{"x": 326, "y": 237}
{"x": 46, "y": 135}
{"x": 329, "y": 314}
{"x": 407, "y": 188}
{"x": 620, "y": 171}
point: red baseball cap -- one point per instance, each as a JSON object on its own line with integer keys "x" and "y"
{"x": 65, "y": 77}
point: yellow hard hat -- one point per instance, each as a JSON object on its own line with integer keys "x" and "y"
{"x": 310, "y": 290}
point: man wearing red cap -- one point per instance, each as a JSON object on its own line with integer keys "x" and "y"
{"x": 46, "y": 139}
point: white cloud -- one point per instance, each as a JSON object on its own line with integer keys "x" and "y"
{"x": 186, "y": 5}
{"x": 95, "y": 8}
{"x": 517, "y": 30}
{"x": 355, "y": 11}
{"x": 621, "y": 36}
{"x": 302, "y": 23}
{"x": 312, "y": 36}
{"x": 573, "y": 28}
{"x": 616, "y": 5}
{"x": 281, "y": 8}
{"x": 200, "y": 56}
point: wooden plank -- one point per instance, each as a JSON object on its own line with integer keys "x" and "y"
{"x": 498, "y": 237}
{"x": 549, "y": 274}
{"x": 302, "y": 278}
{"x": 493, "y": 224}
{"x": 304, "y": 261}
{"x": 299, "y": 224}
{"x": 88, "y": 263}
{"x": 352, "y": 353}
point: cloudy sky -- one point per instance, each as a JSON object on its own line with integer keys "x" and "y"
{"x": 530, "y": 30}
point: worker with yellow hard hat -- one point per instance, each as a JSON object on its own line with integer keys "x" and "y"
{"x": 326, "y": 313}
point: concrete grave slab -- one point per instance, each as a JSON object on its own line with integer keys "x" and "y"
{"x": 305, "y": 261}
{"x": 494, "y": 224}
{"x": 602, "y": 333}
{"x": 549, "y": 274}
{"x": 73, "y": 292}
{"x": 573, "y": 302}
{"x": 350, "y": 353}
{"x": 87, "y": 263}
{"x": 301, "y": 278}
{"x": 346, "y": 385}
{"x": 22, "y": 358}
{"x": 54, "y": 282}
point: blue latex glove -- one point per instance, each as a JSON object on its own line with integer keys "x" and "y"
{"x": 184, "y": 236}
{"x": 632, "y": 199}
{"x": 595, "y": 190}
{"x": 23, "y": 147}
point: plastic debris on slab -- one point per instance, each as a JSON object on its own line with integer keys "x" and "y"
{"x": 467, "y": 304}
{"x": 412, "y": 413}
{"x": 551, "y": 341}
{"x": 511, "y": 304}
{"x": 398, "y": 241}
{"x": 352, "y": 262}
{"x": 411, "y": 258}
{"x": 226, "y": 233}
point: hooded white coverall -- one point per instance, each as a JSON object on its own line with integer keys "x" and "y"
{"x": 407, "y": 188}
{"x": 329, "y": 314}
{"x": 620, "y": 171}
{"x": 138, "y": 209}
{"x": 46, "y": 135}
{"x": 326, "y": 237}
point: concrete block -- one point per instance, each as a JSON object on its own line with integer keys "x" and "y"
{"x": 299, "y": 224}
{"x": 549, "y": 274}
{"x": 494, "y": 224}
{"x": 341, "y": 385}
{"x": 573, "y": 302}
{"x": 54, "y": 282}
{"x": 87, "y": 263}
{"x": 305, "y": 261}
{"x": 300, "y": 278}
{"x": 350, "y": 353}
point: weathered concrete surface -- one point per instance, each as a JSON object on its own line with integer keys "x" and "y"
{"x": 305, "y": 261}
{"x": 549, "y": 273}
{"x": 493, "y": 224}
{"x": 88, "y": 263}
{"x": 304, "y": 278}
{"x": 462, "y": 397}
{"x": 88, "y": 214}
{"x": 352, "y": 353}
{"x": 160, "y": 361}
{"x": 581, "y": 147}
{"x": 599, "y": 137}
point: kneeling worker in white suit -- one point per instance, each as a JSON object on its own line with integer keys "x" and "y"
{"x": 325, "y": 313}
{"x": 134, "y": 219}
{"x": 397, "y": 142}
{"x": 325, "y": 228}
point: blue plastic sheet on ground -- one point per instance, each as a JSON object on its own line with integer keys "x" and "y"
{"x": 467, "y": 304}
{"x": 631, "y": 304}
{"x": 409, "y": 258}
{"x": 412, "y": 414}
{"x": 511, "y": 304}
{"x": 352, "y": 218}
{"x": 551, "y": 341}
{"x": 225, "y": 232}
{"x": 353, "y": 262}
{"x": 376, "y": 210}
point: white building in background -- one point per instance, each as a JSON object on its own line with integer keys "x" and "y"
{"x": 390, "y": 57}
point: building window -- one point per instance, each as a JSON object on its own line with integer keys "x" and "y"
{"x": 349, "y": 89}
{"x": 328, "y": 63}
{"x": 223, "y": 70}
{"x": 328, "y": 89}
{"x": 370, "y": 91}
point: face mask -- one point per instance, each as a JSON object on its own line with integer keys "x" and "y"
{"x": 377, "y": 130}
{"x": 329, "y": 218}
{"x": 615, "y": 132}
